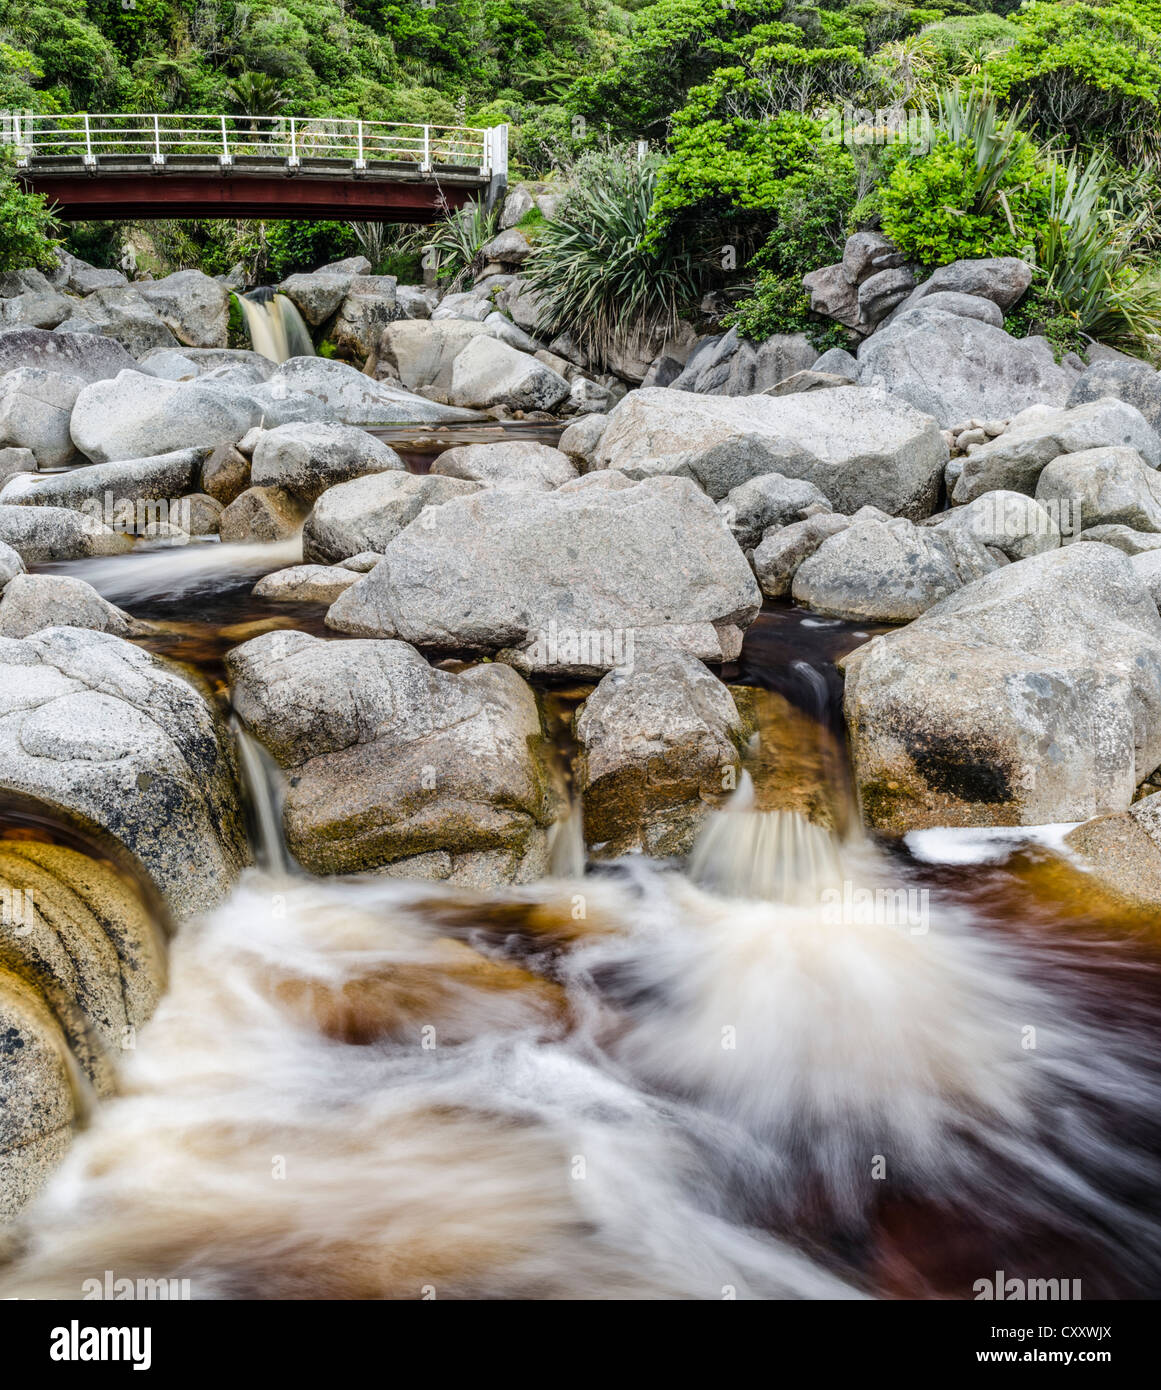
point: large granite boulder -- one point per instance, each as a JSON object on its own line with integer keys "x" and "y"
{"x": 958, "y": 368}
{"x": 370, "y": 305}
{"x": 1001, "y": 280}
{"x": 1136, "y": 383}
{"x": 31, "y": 602}
{"x": 1029, "y": 697}
{"x": 1106, "y": 487}
{"x": 421, "y": 352}
{"x": 135, "y": 415}
{"x": 659, "y": 748}
{"x": 1015, "y": 459}
{"x": 562, "y": 581}
{"x": 193, "y": 306}
{"x": 125, "y": 481}
{"x": 42, "y": 534}
{"x": 488, "y": 372}
{"x": 858, "y": 447}
{"x": 518, "y": 465}
{"x": 124, "y": 314}
{"x": 111, "y": 735}
{"x": 368, "y": 513}
{"x": 87, "y": 356}
{"x": 307, "y": 459}
{"x": 395, "y": 765}
{"x": 353, "y": 398}
{"x": 36, "y": 408}
{"x": 1009, "y": 522}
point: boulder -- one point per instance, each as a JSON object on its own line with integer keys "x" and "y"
{"x": 307, "y": 459}
{"x": 955, "y": 368}
{"x": 579, "y": 441}
{"x": 121, "y": 313}
{"x": 782, "y": 549}
{"x": 356, "y": 399}
{"x": 888, "y": 572}
{"x": 420, "y": 352}
{"x": 1122, "y": 538}
{"x": 517, "y": 204}
{"x": 305, "y": 584}
{"x": 317, "y": 295}
{"x": 1030, "y": 697}
{"x": 1010, "y": 522}
{"x": 366, "y": 514}
{"x": 659, "y": 748}
{"x": 562, "y": 581}
{"x": 808, "y": 381}
{"x": 769, "y": 500}
{"x": 165, "y": 362}
{"x": 1106, "y": 487}
{"x": 111, "y": 735}
{"x": 36, "y": 308}
{"x": 510, "y": 248}
{"x": 1015, "y": 459}
{"x": 838, "y": 362}
{"x": 416, "y": 301}
{"x": 769, "y": 363}
{"x": 864, "y": 286}
{"x": 10, "y": 563}
{"x": 202, "y": 514}
{"x": 35, "y": 410}
{"x": 86, "y": 356}
{"x": 1000, "y": 279}
{"x": 82, "y": 278}
{"x": 262, "y": 514}
{"x": 167, "y": 476}
{"x": 505, "y": 331}
{"x": 395, "y": 763}
{"x": 195, "y": 307}
{"x": 516, "y": 465}
{"x": 135, "y": 416}
{"x": 42, "y": 534}
{"x": 585, "y": 396}
{"x": 32, "y": 602}
{"x": 1147, "y": 567}
{"x": 1136, "y": 383}
{"x": 368, "y": 308}
{"x": 225, "y": 474}
{"x": 968, "y": 306}
{"x": 487, "y": 372}
{"x": 857, "y": 447}
{"x": 13, "y": 461}
{"x": 467, "y": 306}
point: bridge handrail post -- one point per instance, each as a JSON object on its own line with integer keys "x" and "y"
{"x": 158, "y": 157}
{"x": 425, "y": 167}
{"x": 226, "y": 157}
{"x": 90, "y": 161}
{"x": 292, "y": 161}
{"x": 360, "y": 162}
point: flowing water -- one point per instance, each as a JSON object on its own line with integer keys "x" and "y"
{"x": 275, "y": 326}
{"x": 738, "y": 1076}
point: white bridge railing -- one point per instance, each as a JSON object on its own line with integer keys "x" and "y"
{"x": 228, "y": 140}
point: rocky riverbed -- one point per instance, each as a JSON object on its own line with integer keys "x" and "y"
{"x": 337, "y": 675}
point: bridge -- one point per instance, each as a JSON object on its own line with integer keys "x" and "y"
{"x": 131, "y": 166}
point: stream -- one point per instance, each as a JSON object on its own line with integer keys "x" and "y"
{"x": 638, "y": 1079}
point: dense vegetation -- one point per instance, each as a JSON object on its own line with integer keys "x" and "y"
{"x": 764, "y": 121}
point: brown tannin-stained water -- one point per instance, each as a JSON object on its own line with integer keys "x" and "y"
{"x": 650, "y": 1079}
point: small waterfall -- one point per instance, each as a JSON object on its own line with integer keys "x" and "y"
{"x": 275, "y": 326}
{"x": 263, "y": 784}
{"x": 566, "y": 845}
{"x": 771, "y": 856}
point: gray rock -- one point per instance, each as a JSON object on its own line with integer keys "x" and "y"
{"x": 517, "y": 204}
{"x": 579, "y": 442}
{"x": 1015, "y": 460}
{"x": 1030, "y": 697}
{"x": 305, "y": 584}
{"x": 467, "y": 305}
{"x": 1010, "y": 522}
{"x": 164, "y": 362}
{"x": 586, "y": 396}
{"x": 881, "y": 292}
{"x": 39, "y": 308}
{"x": 86, "y": 356}
{"x": 487, "y": 373}
{"x": 955, "y": 368}
{"x": 515, "y": 465}
{"x": 278, "y": 405}
{"x": 363, "y": 563}
{"x": 165, "y": 476}
{"x": 370, "y": 305}
{"x": 783, "y": 548}
{"x": 355, "y": 399}
{"x": 394, "y": 762}
{"x": 1146, "y": 566}
{"x": 807, "y": 381}
{"x": 1122, "y": 538}
{"x": 135, "y": 416}
{"x": 350, "y": 265}
{"x": 226, "y": 474}
{"x": 1002, "y": 279}
{"x": 1103, "y": 487}
{"x": 262, "y": 514}
{"x": 857, "y": 447}
{"x": 968, "y": 306}
{"x": 35, "y": 411}
{"x": 421, "y": 352}
{"x": 888, "y": 572}
{"x": 505, "y": 331}
{"x": 10, "y": 563}
{"x": 32, "y": 602}
{"x": 307, "y": 459}
{"x": 365, "y": 515}
{"x": 169, "y": 364}
{"x": 769, "y": 500}
{"x": 659, "y": 744}
{"x": 317, "y": 296}
{"x": 563, "y": 580}
{"x": 194, "y": 306}
{"x": 840, "y": 362}
{"x": 779, "y": 357}
{"x": 13, "y": 461}
{"x": 202, "y": 514}
{"x": 524, "y": 309}
{"x": 104, "y": 732}
{"x": 1136, "y": 383}
{"x": 416, "y": 301}
{"x": 41, "y": 534}
{"x": 123, "y": 314}
{"x": 82, "y": 278}
{"x": 867, "y": 253}
{"x": 510, "y": 248}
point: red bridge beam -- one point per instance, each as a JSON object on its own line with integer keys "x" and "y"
{"x": 119, "y": 197}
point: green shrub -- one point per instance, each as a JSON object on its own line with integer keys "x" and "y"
{"x": 781, "y": 305}
{"x": 27, "y": 228}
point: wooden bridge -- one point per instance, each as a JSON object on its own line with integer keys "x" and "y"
{"x": 122, "y": 166}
